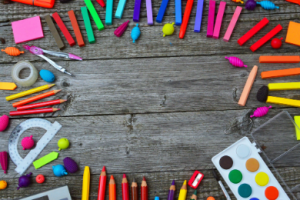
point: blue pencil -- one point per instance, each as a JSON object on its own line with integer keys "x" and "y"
{"x": 162, "y": 10}
{"x": 198, "y": 18}
{"x": 178, "y": 12}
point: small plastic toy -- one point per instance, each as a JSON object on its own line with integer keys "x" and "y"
{"x": 40, "y": 178}
{"x": 45, "y": 160}
{"x": 210, "y": 198}
{"x": 3, "y": 185}
{"x": 63, "y": 143}
{"x": 276, "y": 43}
{"x": 47, "y": 76}
{"x": 267, "y": 5}
{"x": 70, "y": 165}
{"x": 59, "y": 170}
{"x": 261, "y": 111}
{"x": 7, "y": 86}
{"x": 235, "y": 61}
{"x": 135, "y": 33}
{"x": 168, "y": 29}
{"x": 4, "y": 160}
{"x": 238, "y": 1}
{"x": 12, "y": 51}
{"x": 250, "y": 5}
{"x": 121, "y": 29}
{"x": 25, "y": 180}
{"x": 4, "y": 121}
{"x": 27, "y": 142}
{"x": 195, "y": 179}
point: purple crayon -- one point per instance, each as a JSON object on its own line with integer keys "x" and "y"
{"x": 136, "y": 11}
{"x": 261, "y": 111}
{"x": 235, "y": 61}
{"x": 4, "y": 160}
{"x": 172, "y": 191}
{"x": 121, "y": 29}
{"x": 149, "y": 12}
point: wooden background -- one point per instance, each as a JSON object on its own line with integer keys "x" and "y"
{"x": 159, "y": 108}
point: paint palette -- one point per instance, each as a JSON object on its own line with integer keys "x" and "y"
{"x": 245, "y": 170}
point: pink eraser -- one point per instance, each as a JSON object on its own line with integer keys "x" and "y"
{"x": 211, "y": 18}
{"x": 27, "y": 29}
{"x": 219, "y": 19}
{"x": 233, "y": 21}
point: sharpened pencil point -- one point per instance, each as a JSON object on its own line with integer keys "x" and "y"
{"x": 124, "y": 175}
{"x": 112, "y": 177}
{"x": 195, "y": 192}
{"x": 173, "y": 182}
{"x": 103, "y": 169}
{"x": 184, "y": 183}
{"x": 144, "y": 179}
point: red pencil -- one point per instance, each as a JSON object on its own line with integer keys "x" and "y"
{"x": 125, "y": 189}
{"x": 186, "y": 17}
{"x": 102, "y": 185}
{"x": 34, "y": 111}
{"x": 42, "y": 104}
{"x": 144, "y": 190}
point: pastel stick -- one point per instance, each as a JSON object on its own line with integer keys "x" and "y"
{"x": 211, "y": 18}
{"x": 178, "y": 12}
{"x": 87, "y": 24}
{"x": 137, "y": 10}
{"x": 109, "y": 12}
{"x": 198, "y": 18}
{"x": 161, "y": 11}
{"x": 120, "y": 9}
{"x": 54, "y": 32}
{"x": 149, "y": 12}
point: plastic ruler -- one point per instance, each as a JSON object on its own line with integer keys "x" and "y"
{"x": 23, "y": 164}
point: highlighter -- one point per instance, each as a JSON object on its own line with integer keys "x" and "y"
{"x": 40, "y": 3}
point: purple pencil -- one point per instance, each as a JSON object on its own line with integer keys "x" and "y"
{"x": 136, "y": 11}
{"x": 172, "y": 191}
{"x": 149, "y": 12}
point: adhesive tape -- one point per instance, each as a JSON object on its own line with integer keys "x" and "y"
{"x": 28, "y": 81}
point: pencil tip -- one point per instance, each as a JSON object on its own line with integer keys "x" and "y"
{"x": 124, "y": 175}
{"x": 195, "y": 192}
{"x": 144, "y": 179}
{"x": 184, "y": 183}
{"x": 173, "y": 182}
{"x": 103, "y": 169}
{"x": 112, "y": 177}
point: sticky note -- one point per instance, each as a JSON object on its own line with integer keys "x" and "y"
{"x": 297, "y": 121}
{"x": 45, "y": 160}
{"x": 27, "y": 29}
{"x": 292, "y": 36}
{"x": 7, "y": 86}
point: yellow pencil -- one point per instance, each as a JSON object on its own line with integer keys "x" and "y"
{"x": 86, "y": 184}
{"x": 28, "y": 92}
{"x": 183, "y": 191}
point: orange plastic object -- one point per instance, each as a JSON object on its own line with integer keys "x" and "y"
{"x": 280, "y": 73}
{"x": 279, "y": 59}
{"x": 294, "y": 1}
{"x": 12, "y": 51}
{"x": 76, "y": 28}
{"x": 40, "y": 3}
{"x": 271, "y": 193}
{"x": 7, "y": 86}
{"x": 238, "y": 1}
{"x": 292, "y": 36}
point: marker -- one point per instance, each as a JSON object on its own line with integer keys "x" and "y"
{"x": 144, "y": 190}
{"x": 42, "y": 104}
{"x": 86, "y": 184}
{"x": 134, "y": 192}
{"x": 221, "y": 185}
{"x": 194, "y": 196}
{"x": 125, "y": 192}
{"x": 102, "y": 185}
{"x": 183, "y": 191}
{"x": 112, "y": 189}
{"x": 172, "y": 191}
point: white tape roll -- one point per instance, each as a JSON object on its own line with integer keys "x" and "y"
{"x": 25, "y": 82}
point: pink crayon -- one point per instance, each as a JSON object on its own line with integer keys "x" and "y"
{"x": 121, "y": 29}
{"x": 4, "y": 160}
{"x": 235, "y": 61}
{"x": 261, "y": 111}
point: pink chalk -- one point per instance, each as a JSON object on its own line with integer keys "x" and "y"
{"x": 261, "y": 111}
{"x": 233, "y": 21}
{"x": 219, "y": 19}
{"x": 27, "y": 29}
{"x": 211, "y": 18}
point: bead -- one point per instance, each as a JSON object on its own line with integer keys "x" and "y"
{"x": 12, "y": 51}
{"x": 135, "y": 33}
{"x": 268, "y": 5}
{"x": 276, "y": 43}
{"x": 235, "y": 61}
{"x": 121, "y": 29}
{"x": 250, "y": 5}
{"x": 261, "y": 111}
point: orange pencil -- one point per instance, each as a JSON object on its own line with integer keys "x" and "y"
{"x": 280, "y": 73}
{"x": 144, "y": 190}
{"x": 35, "y": 98}
{"x": 112, "y": 188}
{"x": 279, "y": 59}
{"x": 102, "y": 185}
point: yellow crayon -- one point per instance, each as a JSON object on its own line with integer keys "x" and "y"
{"x": 284, "y": 86}
{"x": 183, "y": 191}
{"x": 86, "y": 184}
{"x": 283, "y": 101}
{"x": 28, "y": 92}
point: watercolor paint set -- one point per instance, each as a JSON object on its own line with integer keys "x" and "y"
{"x": 245, "y": 165}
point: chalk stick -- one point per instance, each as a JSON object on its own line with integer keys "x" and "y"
{"x": 76, "y": 28}
{"x": 186, "y": 17}
{"x": 248, "y": 86}
{"x": 63, "y": 29}
{"x": 253, "y": 31}
{"x": 297, "y": 121}
{"x": 211, "y": 18}
{"x": 120, "y": 9}
{"x": 149, "y": 12}
{"x": 279, "y": 59}
{"x": 87, "y": 24}
{"x": 283, "y": 101}
{"x": 7, "y": 86}
{"x": 284, "y": 86}
{"x": 137, "y": 10}
{"x": 54, "y": 32}
{"x": 219, "y": 19}
{"x": 178, "y": 13}
{"x": 280, "y": 73}
{"x": 101, "y": 3}
{"x": 198, "y": 18}
{"x": 162, "y": 10}
{"x": 232, "y": 23}
{"x": 94, "y": 14}
{"x": 109, "y": 12}
{"x": 266, "y": 38}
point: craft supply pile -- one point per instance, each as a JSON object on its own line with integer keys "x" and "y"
{"x": 240, "y": 165}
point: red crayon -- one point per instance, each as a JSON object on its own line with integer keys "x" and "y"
{"x": 102, "y": 185}
{"x": 42, "y": 104}
{"x": 186, "y": 18}
{"x": 101, "y": 2}
{"x": 34, "y": 111}
{"x": 125, "y": 188}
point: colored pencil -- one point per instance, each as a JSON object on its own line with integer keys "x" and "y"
{"x": 186, "y": 17}
{"x": 86, "y": 184}
{"x": 28, "y": 92}
{"x": 134, "y": 192}
{"x": 102, "y": 185}
{"x": 112, "y": 189}
{"x": 42, "y": 104}
{"x": 172, "y": 191}
{"x": 183, "y": 192}
{"x": 144, "y": 190}
{"x": 194, "y": 196}
{"x": 34, "y": 111}
{"x": 125, "y": 189}
{"x": 35, "y": 98}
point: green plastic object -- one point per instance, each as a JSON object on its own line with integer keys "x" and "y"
{"x": 109, "y": 12}
{"x": 45, "y": 160}
{"x": 63, "y": 143}
{"x": 94, "y": 14}
{"x": 87, "y": 24}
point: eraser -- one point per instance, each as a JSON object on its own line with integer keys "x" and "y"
{"x": 211, "y": 18}
{"x": 219, "y": 20}
{"x": 27, "y": 29}
{"x": 54, "y": 32}
{"x": 292, "y": 36}
{"x": 232, "y": 24}
{"x": 88, "y": 25}
{"x": 76, "y": 28}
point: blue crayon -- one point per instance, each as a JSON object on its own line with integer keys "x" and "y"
{"x": 178, "y": 12}
{"x": 198, "y": 18}
{"x": 120, "y": 9}
{"x": 162, "y": 10}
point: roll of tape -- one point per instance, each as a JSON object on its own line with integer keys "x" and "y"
{"x": 24, "y": 82}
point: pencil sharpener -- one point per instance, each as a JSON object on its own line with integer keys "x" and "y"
{"x": 195, "y": 179}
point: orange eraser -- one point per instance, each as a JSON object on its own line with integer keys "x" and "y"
{"x": 248, "y": 86}
{"x": 7, "y": 86}
{"x": 76, "y": 28}
{"x": 292, "y": 36}
{"x": 279, "y": 59}
{"x": 280, "y": 73}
